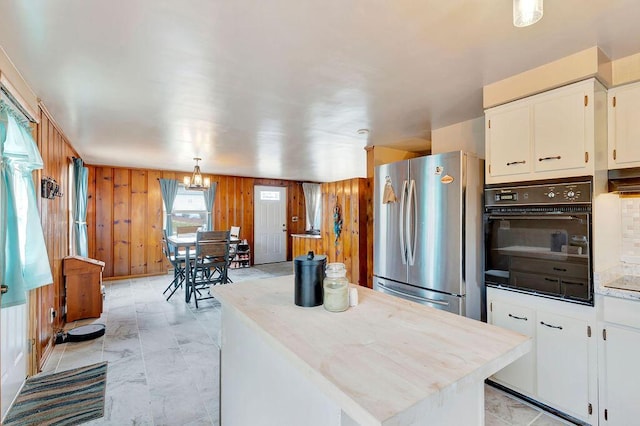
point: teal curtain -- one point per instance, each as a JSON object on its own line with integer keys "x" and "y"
{"x": 81, "y": 181}
{"x": 25, "y": 263}
{"x": 169, "y": 188}
{"x": 209, "y": 196}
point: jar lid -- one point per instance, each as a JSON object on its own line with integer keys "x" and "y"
{"x": 336, "y": 269}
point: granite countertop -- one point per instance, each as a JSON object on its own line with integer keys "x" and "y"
{"x": 625, "y": 287}
{"x": 317, "y": 237}
{"x": 384, "y": 356}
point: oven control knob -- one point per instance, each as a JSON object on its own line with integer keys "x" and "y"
{"x": 571, "y": 194}
{"x": 551, "y": 195}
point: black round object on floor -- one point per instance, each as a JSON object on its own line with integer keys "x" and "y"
{"x": 85, "y": 332}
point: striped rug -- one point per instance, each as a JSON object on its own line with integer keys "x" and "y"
{"x": 66, "y": 398}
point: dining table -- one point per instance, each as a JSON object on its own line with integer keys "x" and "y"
{"x": 186, "y": 242}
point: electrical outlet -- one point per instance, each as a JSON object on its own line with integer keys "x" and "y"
{"x": 52, "y": 315}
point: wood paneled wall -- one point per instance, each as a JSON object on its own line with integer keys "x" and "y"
{"x": 124, "y": 215}
{"x": 302, "y": 246}
{"x": 56, "y": 154}
{"x": 352, "y": 248}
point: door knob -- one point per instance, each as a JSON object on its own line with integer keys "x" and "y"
{"x": 5, "y": 288}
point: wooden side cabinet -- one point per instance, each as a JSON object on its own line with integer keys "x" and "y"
{"x": 83, "y": 283}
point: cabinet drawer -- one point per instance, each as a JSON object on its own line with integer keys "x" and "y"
{"x": 545, "y": 284}
{"x": 561, "y": 269}
{"x": 621, "y": 311}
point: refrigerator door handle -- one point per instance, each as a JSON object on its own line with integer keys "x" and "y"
{"x": 412, "y": 207}
{"x": 412, "y": 297}
{"x": 401, "y": 225}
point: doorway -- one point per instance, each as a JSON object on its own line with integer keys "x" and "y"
{"x": 13, "y": 322}
{"x": 270, "y": 224}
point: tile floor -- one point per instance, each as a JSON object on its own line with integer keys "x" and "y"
{"x": 163, "y": 357}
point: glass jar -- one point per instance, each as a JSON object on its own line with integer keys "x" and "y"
{"x": 581, "y": 242}
{"x": 336, "y": 288}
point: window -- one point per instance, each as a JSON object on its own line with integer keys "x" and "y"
{"x": 188, "y": 209}
{"x": 269, "y": 196}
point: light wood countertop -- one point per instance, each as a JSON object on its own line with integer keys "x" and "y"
{"x": 310, "y": 236}
{"x": 382, "y": 358}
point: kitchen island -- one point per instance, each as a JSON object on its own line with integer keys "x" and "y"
{"x": 387, "y": 361}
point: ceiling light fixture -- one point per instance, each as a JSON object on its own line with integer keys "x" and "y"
{"x": 526, "y": 12}
{"x": 196, "y": 182}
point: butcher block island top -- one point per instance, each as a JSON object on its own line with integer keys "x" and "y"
{"x": 380, "y": 360}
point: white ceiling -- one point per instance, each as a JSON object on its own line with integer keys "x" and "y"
{"x": 279, "y": 88}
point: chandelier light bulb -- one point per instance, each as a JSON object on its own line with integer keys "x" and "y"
{"x": 527, "y": 12}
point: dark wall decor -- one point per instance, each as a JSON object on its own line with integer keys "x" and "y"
{"x": 49, "y": 188}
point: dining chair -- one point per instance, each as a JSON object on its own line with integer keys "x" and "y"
{"x": 181, "y": 230}
{"x": 179, "y": 266}
{"x": 210, "y": 264}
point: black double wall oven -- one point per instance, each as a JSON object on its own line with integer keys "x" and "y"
{"x": 538, "y": 238}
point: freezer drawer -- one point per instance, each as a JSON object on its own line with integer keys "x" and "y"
{"x": 445, "y": 302}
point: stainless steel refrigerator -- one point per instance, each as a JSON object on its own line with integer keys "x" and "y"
{"x": 428, "y": 231}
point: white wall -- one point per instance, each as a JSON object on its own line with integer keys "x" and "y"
{"x": 630, "y": 213}
{"x": 467, "y": 136}
{"x": 606, "y": 233}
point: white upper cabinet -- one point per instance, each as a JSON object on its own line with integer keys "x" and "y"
{"x": 624, "y": 126}
{"x": 549, "y": 135}
{"x": 509, "y": 134}
{"x": 560, "y": 139}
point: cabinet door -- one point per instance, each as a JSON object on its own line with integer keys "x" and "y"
{"x": 508, "y": 137}
{"x": 563, "y": 363}
{"x": 521, "y": 374}
{"x": 559, "y": 131}
{"x": 624, "y": 126}
{"x": 621, "y": 381}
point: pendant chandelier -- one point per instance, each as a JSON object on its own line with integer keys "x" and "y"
{"x": 527, "y": 12}
{"x": 196, "y": 182}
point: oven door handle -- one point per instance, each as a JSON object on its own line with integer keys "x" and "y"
{"x": 539, "y": 217}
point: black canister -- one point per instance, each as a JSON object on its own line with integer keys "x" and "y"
{"x": 309, "y": 273}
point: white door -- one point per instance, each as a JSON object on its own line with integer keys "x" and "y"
{"x": 270, "y": 224}
{"x": 13, "y": 356}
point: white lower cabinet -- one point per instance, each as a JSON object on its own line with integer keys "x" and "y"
{"x": 563, "y": 362}
{"x": 619, "y": 357}
{"x": 561, "y": 369}
{"x": 520, "y": 375}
